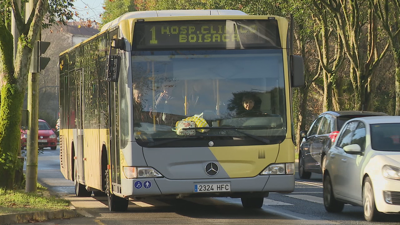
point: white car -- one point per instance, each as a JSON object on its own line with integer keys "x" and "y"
{"x": 363, "y": 167}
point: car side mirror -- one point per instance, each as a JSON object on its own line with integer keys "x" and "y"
{"x": 53, "y": 129}
{"x": 352, "y": 149}
{"x": 303, "y": 134}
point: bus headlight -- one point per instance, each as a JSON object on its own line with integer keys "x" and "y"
{"x": 132, "y": 172}
{"x": 281, "y": 168}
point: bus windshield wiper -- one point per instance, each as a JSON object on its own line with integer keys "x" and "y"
{"x": 237, "y": 129}
{"x": 152, "y": 144}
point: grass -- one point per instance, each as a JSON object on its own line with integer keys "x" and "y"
{"x": 18, "y": 201}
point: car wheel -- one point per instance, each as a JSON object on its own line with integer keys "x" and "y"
{"x": 302, "y": 173}
{"x": 53, "y": 148}
{"x": 330, "y": 202}
{"x": 252, "y": 203}
{"x": 370, "y": 211}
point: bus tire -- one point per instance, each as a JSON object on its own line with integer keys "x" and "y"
{"x": 252, "y": 203}
{"x": 80, "y": 189}
{"x": 115, "y": 203}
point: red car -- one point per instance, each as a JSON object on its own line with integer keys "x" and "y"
{"x": 46, "y": 136}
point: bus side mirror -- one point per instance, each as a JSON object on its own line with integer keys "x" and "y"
{"x": 297, "y": 72}
{"x": 113, "y": 64}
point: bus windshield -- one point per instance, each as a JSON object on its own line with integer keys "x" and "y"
{"x": 236, "y": 89}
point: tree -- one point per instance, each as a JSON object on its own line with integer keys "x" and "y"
{"x": 116, "y": 8}
{"x": 354, "y": 21}
{"x": 388, "y": 11}
{"x": 330, "y": 62}
{"x": 14, "y": 72}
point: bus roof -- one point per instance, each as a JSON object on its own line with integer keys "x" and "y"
{"x": 168, "y": 13}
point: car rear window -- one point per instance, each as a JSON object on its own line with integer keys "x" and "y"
{"x": 342, "y": 119}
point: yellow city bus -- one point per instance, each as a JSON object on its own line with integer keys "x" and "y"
{"x": 182, "y": 103}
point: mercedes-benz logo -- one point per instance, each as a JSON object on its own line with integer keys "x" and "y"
{"x": 211, "y": 169}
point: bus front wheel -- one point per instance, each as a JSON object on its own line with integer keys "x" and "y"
{"x": 253, "y": 202}
{"x": 80, "y": 189}
{"x": 115, "y": 203}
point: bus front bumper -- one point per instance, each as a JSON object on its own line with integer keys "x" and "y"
{"x": 237, "y": 187}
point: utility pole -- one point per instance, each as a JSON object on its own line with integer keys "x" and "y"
{"x": 32, "y": 133}
{"x": 38, "y": 63}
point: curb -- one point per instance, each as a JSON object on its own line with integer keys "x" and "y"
{"x": 38, "y": 216}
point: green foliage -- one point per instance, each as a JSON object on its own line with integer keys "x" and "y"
{"x": 116, "y": 8}
{"x": 20, "y": 202}
{"x": 59, "y": 11}
{"x": 14, "y": 74}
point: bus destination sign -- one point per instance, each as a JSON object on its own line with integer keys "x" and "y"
{"x": 219, "y": 34}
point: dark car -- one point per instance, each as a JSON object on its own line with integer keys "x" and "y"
{"x": 317, "y": 141}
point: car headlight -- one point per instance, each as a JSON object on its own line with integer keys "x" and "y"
{"x": 132, "y": 172}
{"x": 53, "y": 136}
{"x": 391, "y": 172}
{"x": 282, "y": 168}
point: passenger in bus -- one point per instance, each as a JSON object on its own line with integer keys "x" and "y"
{"x": 139, "y": 107}
{"x": 251, "y": 106}
{"x": 167, "y": 105}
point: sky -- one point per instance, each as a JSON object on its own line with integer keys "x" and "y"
{"x": 89, "y": 9}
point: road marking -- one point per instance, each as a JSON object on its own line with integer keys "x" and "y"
{"x": 142, "y": 204}
{"x": 309, "y": 198}
{"x": 306, "y": 192}
{"x": 99, "y": 222}
{"x": 270, "y": 202}
{"x": 149, "y": 203}
{"x": 315, "y": 184}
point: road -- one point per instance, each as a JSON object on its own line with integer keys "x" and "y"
{"x": 303, "y": 206}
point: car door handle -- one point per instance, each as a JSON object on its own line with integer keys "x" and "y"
{"x": 332, "y": 155}
{"x": 344, "y": 160}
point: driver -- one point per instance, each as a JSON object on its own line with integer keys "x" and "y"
{"x": 249, "y": 105}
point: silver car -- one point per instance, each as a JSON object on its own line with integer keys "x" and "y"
{"x": 363, "y": 167}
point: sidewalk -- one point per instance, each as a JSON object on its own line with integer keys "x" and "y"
{"x": 38, "y": 216}
{"x": 41, "y": 216}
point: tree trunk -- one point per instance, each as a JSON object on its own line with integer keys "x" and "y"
{"x": 301, "y": 117}
{"x": 327, "y": 105}
{"x": 10, "y": 142}
{"x": 397, "y": 75}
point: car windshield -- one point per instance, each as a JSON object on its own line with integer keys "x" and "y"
{"x": 385, "y": 137}
{"x": 43, "y": 126}
{"x": 231, "y": 88}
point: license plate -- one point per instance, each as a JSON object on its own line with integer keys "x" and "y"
{"x": 218, "y": 187}
{"x": 41, "y": 141}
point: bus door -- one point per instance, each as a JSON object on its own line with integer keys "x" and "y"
{"x": 113, "y": 104}
{"x": 79, "y": 153}
{"x": 114, "y": 136}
